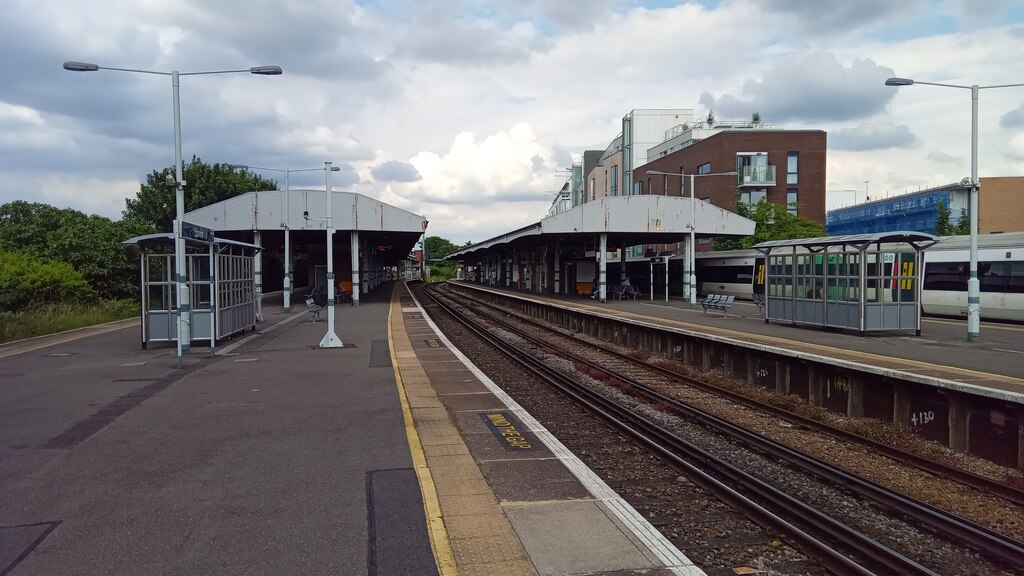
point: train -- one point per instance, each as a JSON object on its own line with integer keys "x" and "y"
{"x": 741, "y": 273}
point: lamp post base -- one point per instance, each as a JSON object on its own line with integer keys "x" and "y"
{"x": 331, "y": 340}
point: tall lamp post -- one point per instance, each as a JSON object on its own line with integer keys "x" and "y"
{"x": 184, "y": 316}
{"x": 286, "y": 223}
{"x": 690, "y": 285}
{"x": 973, "y": 284}
{"x": 330, "y": 339}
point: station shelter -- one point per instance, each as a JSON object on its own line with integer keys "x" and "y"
{"x": 372, "y": 240}
{"x": 862, "y": 282}
{"x": 572, "y": 252}
{"x": 220, "y": 282}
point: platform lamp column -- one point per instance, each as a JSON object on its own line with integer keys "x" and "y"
{"x": 330, "y": 340}
{"x": 973, "y": 283}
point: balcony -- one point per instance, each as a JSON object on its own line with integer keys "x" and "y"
{"x": 756, "y": 176}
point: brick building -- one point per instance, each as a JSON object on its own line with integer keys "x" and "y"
{"x": 784, "y": 166}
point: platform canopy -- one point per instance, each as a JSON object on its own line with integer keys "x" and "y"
{"x": 627, "y": 220}
{"x": 393, "y": 229}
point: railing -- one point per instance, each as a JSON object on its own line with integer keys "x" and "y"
{"x": 756, "y": 176}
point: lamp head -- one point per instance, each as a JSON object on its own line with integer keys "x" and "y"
{"x": 335, "y": 169}
{"x": 239, "y": 166}
{"x": 967, "y": 182}
{"x": 80, "y": 66}
{"x": 896, "y": 81}
{"x": 266, "y": 70}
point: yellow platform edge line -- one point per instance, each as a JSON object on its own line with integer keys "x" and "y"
{"x": 444, "y": 555}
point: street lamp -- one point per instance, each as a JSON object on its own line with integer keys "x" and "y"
{"x": 690, "y": 283}
{"x": 184, "y": 316}
{"x": 286, "y": 223}
{"x": 330, "y": 340}
{"x": 973, "y": 284}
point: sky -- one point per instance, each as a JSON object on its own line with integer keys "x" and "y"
{"x": 469, "y": 112}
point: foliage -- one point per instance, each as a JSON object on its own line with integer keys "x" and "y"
{"x": 61, "y": 316}
{"x": 710, "y": 120}
{"x": 772, "y": 222}
{"x": 205, "y": 184}
{"x": 436, "y": 247}
{"x": 755, "y": 118}
{"x": 27, "y": 280}
{"x": 943, "y": 225}
{"x": 442, "y": 271}
{"x": 90, "y": 244}
{"x": 964, "y": 225}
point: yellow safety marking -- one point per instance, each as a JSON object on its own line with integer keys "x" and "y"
{"x": 444, "y": 555}
{"x": 40, "y": 342}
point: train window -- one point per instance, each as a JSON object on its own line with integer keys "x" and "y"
{"x": 993, "y": 276}
{"x": 946, "y": 276}
{"x": 1016, "y": 283}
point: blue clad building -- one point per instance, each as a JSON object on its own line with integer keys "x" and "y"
{"x": 916, "y": 211}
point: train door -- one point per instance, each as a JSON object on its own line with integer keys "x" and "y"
{"x": 759, "y": 275}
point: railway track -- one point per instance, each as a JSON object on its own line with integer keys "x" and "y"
{"x": 841, "y": 548}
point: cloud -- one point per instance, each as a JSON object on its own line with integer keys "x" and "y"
{"x": 835, "y": 16}
{"x": 396, "y": 171}
{"x": 873, "y": 136}
{"x": 810, "y": 88}
{"x": 940, "y": 157}
{"x": 1013, "y": 118}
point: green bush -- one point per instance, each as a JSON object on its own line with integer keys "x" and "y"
{"x": 27, "y": 281}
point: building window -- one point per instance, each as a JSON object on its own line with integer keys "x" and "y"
{"x": 593, "y": 188}
{"x": 638, "y": 187}
{"x": 752, "y": 197}
{"x": 791, "y": 199}
{"x": 614, "y": 181}
{"x": 792, "y": 162}
{"x": 682, "y": 181}
{"x": 704, "y": 168}
{"x": 664, "y": 184}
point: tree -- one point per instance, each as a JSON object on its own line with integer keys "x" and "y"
{"x": 436, "y": 247}
{"x": 92, "y": 245}
{"x": 710, "y": 120}
{"x": 755, "y": 118}
{"x": 205, "y": 184}
{"x": 771, "y": 222}
{"x": 943, "y": 225}
{"x": 964, "y": 225}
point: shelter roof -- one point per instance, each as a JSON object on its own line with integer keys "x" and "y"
{"x": 167, "y": 239}
{"x": 857, "y": 240}
{"x": 628, "y": 221}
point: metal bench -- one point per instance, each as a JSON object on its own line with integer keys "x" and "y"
{"x": 617, "y": 292}
{"x": 632, "y": 291}
{"x": 718, "y": 302}
{"x": 759, "y": 301}
{"x": 314, "y": 309}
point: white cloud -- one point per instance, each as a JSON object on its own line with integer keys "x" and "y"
{"x": 488, "y": 100}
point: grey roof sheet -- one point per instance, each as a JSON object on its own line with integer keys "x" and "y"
{"x": 899, "y": 236}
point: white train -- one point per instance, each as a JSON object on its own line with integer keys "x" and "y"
{"x": 1000, "y": 271}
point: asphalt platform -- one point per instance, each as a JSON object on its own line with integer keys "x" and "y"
{"x": 389, "y": 456}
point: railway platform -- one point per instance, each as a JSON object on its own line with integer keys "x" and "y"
{"x": 966, "y": 395}
{"x": 942, "y": 350}
{"x": 388, "y": 456}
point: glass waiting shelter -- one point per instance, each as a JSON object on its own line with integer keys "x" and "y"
{"x": 862, "y": 282}
{"x": 221, "y": 287}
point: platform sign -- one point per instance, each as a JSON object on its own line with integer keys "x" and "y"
{"x": 196, "y": 232}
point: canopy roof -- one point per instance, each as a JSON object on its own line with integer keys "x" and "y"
{"x": 919, "y": 240}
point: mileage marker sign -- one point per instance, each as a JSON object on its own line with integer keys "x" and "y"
{"x": 509, "y": 431}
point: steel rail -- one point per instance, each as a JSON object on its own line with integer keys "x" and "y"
{"x": 654, "y": 436}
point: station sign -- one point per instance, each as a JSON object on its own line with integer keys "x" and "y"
{"x": 196, "y": 232}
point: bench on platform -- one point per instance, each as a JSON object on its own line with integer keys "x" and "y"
{"x": 314, "y": 309}
{"x": 632, "y": 291}
{"x": 717, "y": 302}
{"x": 759, "y": 301}
{"x": 617, "y": 292}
